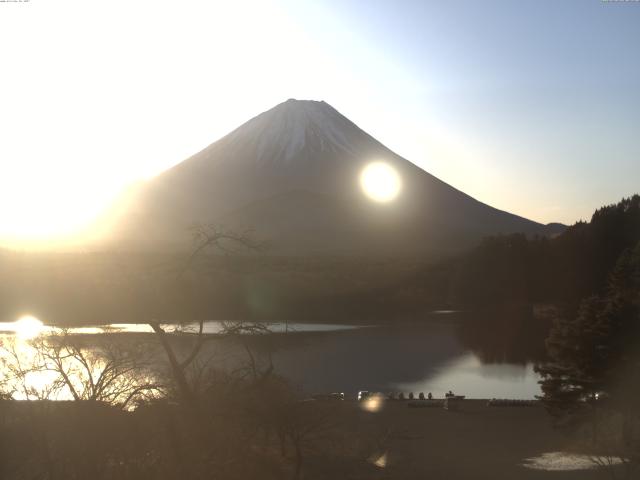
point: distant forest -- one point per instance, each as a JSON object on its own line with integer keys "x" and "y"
{"x": 510, "y": 271}
{"x": 514, "y": 269}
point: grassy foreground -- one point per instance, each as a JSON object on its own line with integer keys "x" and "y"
{"x": 336, "y": 440}
{"x": 475, "y": 442}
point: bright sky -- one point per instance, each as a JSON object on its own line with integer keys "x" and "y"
{"x": 529, "y": 106}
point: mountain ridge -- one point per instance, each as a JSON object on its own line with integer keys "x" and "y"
{"x": 305, "y": 145}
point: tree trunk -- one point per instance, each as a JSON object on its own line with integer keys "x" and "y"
{"x": 177, "y": 371}
{"x": 298, "y": 469}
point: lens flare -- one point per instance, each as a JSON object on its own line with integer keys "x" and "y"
{"x": 380, "y": 461}
{"x": 372, "y": 403}
{"x": 380, "y": 182}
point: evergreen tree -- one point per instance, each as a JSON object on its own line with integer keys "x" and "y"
{"x": 594, "y": 357}
{"x": 514, "y": 269}
{"x": 575, "y": 373}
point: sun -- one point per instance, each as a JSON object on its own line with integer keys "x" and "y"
{"x": 380, "y": 182}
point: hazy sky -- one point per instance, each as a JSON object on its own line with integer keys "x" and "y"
{"x": 532, "y": 107}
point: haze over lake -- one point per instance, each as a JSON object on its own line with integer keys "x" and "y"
{"x": 320, "y": 358}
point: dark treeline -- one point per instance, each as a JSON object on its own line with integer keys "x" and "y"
{"x": 514, "y": 269}
{"x": 597, "y": 350}
{"x": 116, "y": 287}
{"x": 591, "y": 380}
{"x": 510, "y": 270}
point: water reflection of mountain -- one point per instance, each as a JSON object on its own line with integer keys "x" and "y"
{"x": 504, "y": 337}
{"x": 367, "y": 358}
{"x": 491, "y": 348}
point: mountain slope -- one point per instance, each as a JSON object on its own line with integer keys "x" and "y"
{"x": 291, "y": 174}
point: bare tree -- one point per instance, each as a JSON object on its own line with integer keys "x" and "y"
{"x": 60, "y": 366}
{"x": 19, "y": 364}
{"x": 205, "y": 237}
{"x": 305, "y": 426}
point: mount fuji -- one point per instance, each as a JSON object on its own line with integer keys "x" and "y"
{"x": 291, "y": 175}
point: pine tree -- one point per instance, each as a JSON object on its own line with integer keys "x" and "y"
{"x": 595, "y": 356}
{"x": 575, "y": 374}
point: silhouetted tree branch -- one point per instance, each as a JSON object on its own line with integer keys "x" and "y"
{"x": 205, "y": 237}
{"x": 110, "y": 371}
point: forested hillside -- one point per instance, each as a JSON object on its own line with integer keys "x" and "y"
{"x": 511, "y": 270}
{"x": 515, "y": 269}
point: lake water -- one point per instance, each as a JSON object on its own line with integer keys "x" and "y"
{"x": 435, "y": 356}
{"x": 467, "y": 375}
{"x": 210, "y": 327}
{"x": 402, "y": 358}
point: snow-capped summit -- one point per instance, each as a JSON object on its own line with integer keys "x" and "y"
{"x": 289, "y": 134}
{"x": 291, "y": 174}
{"x": 287, "y": 129}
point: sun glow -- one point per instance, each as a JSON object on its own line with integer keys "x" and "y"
{"x": 27, "y": 327}
{"x": 380, "y": 182}
{"x": 67, "y": 150}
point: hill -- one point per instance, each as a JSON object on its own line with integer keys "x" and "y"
{"x": 292, "y": 175}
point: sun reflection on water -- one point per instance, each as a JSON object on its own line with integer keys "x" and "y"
{"x": 27, "y": 327}
{"x": 39, "y": 362}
